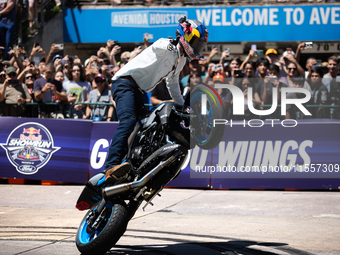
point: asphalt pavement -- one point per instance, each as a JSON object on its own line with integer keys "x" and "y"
{"x": 37, "y": 220}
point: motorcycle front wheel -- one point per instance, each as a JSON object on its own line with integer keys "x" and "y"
{"x": 205, "y": 134}
{"x": 113, "y": 225}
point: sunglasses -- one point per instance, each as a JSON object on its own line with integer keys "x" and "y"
{"x": 2, "y": 75}
{"x": 99, "y": 81}
{"x": 12, "y": 74}
{"x": 291, "y": 69}
{"x": 49, "y": 72}
{"x": 30, "y": 77}
{"x": 76, "y": 70}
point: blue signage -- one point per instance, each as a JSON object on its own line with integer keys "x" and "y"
{"x": 225, "y": 24}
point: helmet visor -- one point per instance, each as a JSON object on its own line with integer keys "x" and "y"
{"x": 198, "y": 44}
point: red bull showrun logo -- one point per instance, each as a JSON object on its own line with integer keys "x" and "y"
{"x": 29, "y": 147}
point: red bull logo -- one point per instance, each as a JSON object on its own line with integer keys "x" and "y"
{"x": 29, "y": 147}
{"x": 31, "y": 131}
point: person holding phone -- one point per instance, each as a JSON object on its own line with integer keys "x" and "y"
{"x": 13, "y": 92}
{"x": 47, "y": 90}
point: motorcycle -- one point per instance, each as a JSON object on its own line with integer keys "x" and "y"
{"x": 158, "y": 147}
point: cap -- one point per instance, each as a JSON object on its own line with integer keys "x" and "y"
{"x": 106, "y": 59}
{"x": 55, "y": 57}
{"x": 86, "y": 62}
{"x": 6, "y": 62}
{"x": 11, "y": 69}
{"x": 193, "y": 59}
{"x": 271, "y": 51}
{"x": 324, "y": 64}
{"x": 101, "y": 76}
{"x": 286, "y": 53}
{"x": 218, "y": 77}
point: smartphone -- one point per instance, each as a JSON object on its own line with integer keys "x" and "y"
{"x": 37, "y": 44}
{"x": 59, "y": 45}
{"x": 289, "y": 49}
{"x": 309, "y": 45}
{"x": 239, "y": 72}
{"x": 227, "y": 50}
{"x": 215, "y": 47}
{"x": 253, "y": 47}
{"x": 148, "y": 36}
{"x": 110, "y": 67}
{"x": 116, "y": 43}
{"x": 258, "y": 52}
{"x": 63, "y": 62}
{"x": 13, "y": 81}
{"x": 94, "y": 65}
{"x": 272, "y": 78}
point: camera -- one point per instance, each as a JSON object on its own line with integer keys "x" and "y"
{"x": 240, "y": 73}
{"x": 116, "y": 43}
{"x": 309, "y": 45}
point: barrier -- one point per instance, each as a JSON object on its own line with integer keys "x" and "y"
{"x": 74, "y": 150}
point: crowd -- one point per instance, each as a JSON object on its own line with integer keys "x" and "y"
{"x": 67, "y": 87}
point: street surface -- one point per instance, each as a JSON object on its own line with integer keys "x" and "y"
{"x": 40, "y": 220}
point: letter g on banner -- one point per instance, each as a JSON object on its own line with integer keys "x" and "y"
{"x": 95, "y": 154}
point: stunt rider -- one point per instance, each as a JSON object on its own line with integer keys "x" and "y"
{"x": 165, "y": 58}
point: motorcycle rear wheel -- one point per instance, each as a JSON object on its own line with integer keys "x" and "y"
{"x": 107, "y": 234}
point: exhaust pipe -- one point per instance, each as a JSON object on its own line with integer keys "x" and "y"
{"x": 121, "y": 188}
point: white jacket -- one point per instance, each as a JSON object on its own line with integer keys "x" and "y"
{"x": 156, "y": 62}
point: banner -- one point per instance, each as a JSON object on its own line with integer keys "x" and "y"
{"x": 44, "y": 149}
{"x": 274, "y": 155}
{"x": 225, "y": 24}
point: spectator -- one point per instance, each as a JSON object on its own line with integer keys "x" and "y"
{"x": 5, "y": 65}
{"x": 47, "y": 90}
{"x": 270, "y": 82}
{"x": 213, "y": 69}
{"x": 41, "y": 67}
{"x": 59, "y": 76}
{"x": 2, "y": 76}
{"x": 77, "y": 89}
{"x": 7, "y": 23}
{"x": 288, "y": 57}
{"x": 330, "y": 77}
{"x": 57, "y": 61}
{"x": 292, "y": 72}
{"x": 271, "y": 55}
{"x": 125, "y": 56}
{"x": 33, "y": 17}
{"x": 293, "y": 112}
{"x": 224, "y": 94}
{"x": 160, "y": 94}
{"x": 309, "y": 63}
{"x": 99, "y": 95}
{"x": 320, "y": 95}
{"x": 194, "y": 66}
{"x": 235, "y": 66}
{"x": 13, "y": 92}
{"x": 246, "y": 84}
